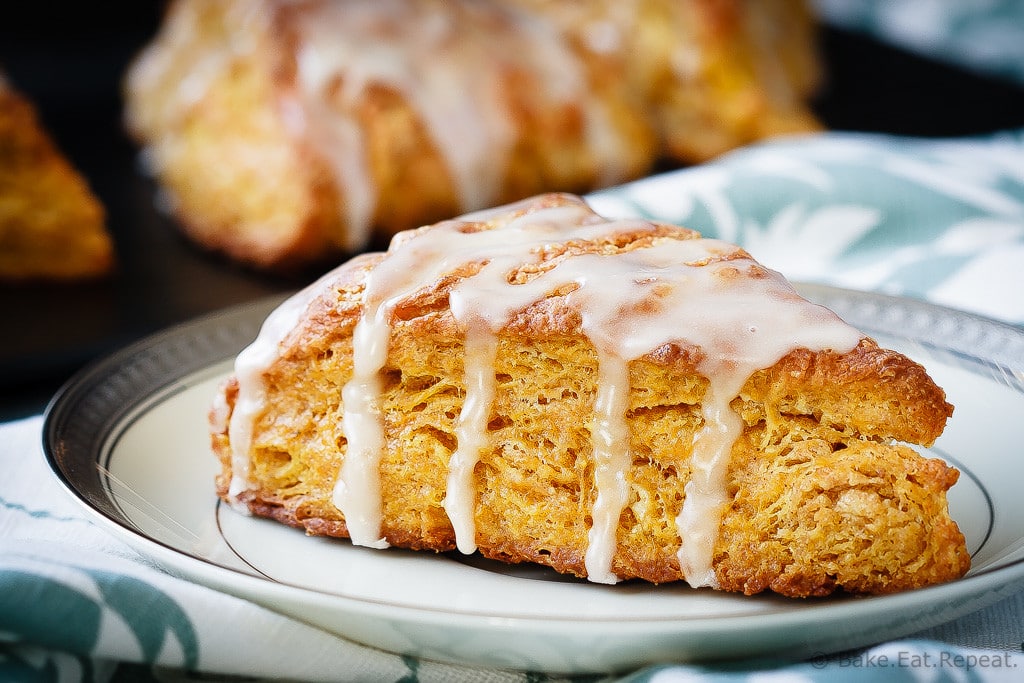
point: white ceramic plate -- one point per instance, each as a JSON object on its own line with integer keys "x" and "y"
{"x": 128, "y": 439}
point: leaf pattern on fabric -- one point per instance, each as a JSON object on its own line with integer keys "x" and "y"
{"x": 828, "y": 232}
{"x": 19, "y": 666}
{"x": 47, "y": 613}
{"x": 151, "y": 614}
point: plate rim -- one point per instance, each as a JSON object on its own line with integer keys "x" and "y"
{"x": 988, "y": 584}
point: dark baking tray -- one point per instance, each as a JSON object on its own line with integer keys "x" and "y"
{"x": 71, "y": 63}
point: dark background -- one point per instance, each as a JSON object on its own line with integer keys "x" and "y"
{"x": 71, "y": 61}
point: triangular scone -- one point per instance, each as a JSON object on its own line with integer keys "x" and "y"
{"x": 282, "y": 132}
{"x": 285, "y": 132}
{"x": 615, "y": 399}
{"x": 51, "y": 225}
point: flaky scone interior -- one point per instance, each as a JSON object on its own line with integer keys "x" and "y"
{"x": 617, "y": 399}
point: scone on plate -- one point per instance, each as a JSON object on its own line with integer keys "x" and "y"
{"x": 52, "y": 227}
{"x": 616, "y": 399}
{"x": 286, "y": 132}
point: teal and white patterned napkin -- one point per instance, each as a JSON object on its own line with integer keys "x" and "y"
{"x": 78, "y": 604}
{"x": 939, "y": 220}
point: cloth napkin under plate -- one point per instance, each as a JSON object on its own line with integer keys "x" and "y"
{"x": 937, "y": 220}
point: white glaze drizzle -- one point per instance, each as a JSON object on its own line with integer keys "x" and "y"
{"x": 705, "y": 491}
{"x": 471, "y": 435}
{"x": 612, "y": 459}
{"x": 250, "y": 365}
{"x": 690, "y": 291}
{"x": 174, "y": 58}
{"x": 357, "y": 491}
{"x": 448, "y": 60}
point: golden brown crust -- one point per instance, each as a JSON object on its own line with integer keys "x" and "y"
{"x": 823, "y": 496}
{"x": 533, "y": 508}
{"x": 51, "y": 225}
{"x": 869, "y": 518}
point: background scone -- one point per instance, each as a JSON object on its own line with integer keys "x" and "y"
{"x": 283, "y": 132}
{"x": 286, "y": 130}
{"x": 51, "y": 225}
{"x": 710, "y": 75}
{"x": 615, "y": 399}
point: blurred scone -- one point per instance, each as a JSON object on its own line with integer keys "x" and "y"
{"x": 283, "y": 132}
{"x": 614, "y": 399}
{"x": 710, "y": 75}
{"x": 51, "y": 225}
{"x": 286, "y": 130}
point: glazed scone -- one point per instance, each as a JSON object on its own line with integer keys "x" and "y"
{"x": 52, "y": 227}
{"x": 288, "y": 131}
{"x": 284, "y": 132}
{"x": 614, "y": 399}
